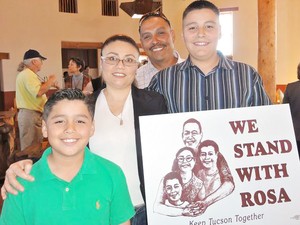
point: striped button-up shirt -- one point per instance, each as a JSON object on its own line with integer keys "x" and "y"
{"x": 229, "y": 85}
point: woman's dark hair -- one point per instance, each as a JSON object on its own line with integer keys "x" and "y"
{"x": 200, "y": 4}
{"x": 175, "y": 167}
{"x": 69, "y": 94}
{"x": 120, "y": 37}
{"x": 79, "y": 62}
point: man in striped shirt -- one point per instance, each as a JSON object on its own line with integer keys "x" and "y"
{"x": 207, "y": 80}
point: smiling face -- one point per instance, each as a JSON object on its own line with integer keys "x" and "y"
{"x": 119, "y": 76}
{"x": 173, "y": 190}
{"x": 191, "y": 135}
{"x": 208, "y": 157}
{"x": 186, "y": 161}
{"x": 201, "y": 32}
{"x": 157, "y": 39}
{"x": 68, "y": 127}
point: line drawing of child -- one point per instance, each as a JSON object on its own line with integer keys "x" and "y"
{"x": 173, "y": 190}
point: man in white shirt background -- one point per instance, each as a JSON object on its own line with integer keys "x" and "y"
{"x": 157, "y": 39}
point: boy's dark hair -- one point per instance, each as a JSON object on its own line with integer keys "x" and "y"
{"x": 120, "y": 37}
{"x": 79, "y": 62}
{"x": 69, "y": 94}
{"x": 171, "y": 176}
{"x": 207, "y": 143}
{"x": 200, "y": 4}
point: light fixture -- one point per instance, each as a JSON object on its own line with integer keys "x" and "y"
{"x": 138, "y": 8}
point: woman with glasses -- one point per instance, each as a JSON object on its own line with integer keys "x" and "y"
{"x": 118, "y": 106}
{"x": 186, "y": 164}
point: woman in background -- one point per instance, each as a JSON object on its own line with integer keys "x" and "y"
{"x": 76, "y": 78}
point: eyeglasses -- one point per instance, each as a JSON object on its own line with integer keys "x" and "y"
{"x": 187, "y": 159}
{"x": 153, "y": 14}
{"x": 113, "y": 60}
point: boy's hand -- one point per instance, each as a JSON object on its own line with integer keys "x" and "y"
{"x": 18, "y": 169}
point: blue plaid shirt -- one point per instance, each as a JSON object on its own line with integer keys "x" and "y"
{"x": 229, "y": 85}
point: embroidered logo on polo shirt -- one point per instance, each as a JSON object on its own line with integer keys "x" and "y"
{"x": 98, "y": 205}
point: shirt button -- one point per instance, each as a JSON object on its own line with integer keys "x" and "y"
{"x": 67, "y": 189}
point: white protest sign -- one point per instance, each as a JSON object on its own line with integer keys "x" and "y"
{"x": 253, "y": 178}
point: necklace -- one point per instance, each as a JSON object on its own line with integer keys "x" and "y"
{"x": 120, "y": 117}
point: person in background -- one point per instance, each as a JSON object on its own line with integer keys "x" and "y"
{"x": 31, "y": 97}
{"x": 76, "y": 79}
{"x": 68, "y": 177}
{"x": 117, "y": 130}
{"x": 292, "y": 97}
{"x": 207, "y": 80}
{"x": 157, "y": 39}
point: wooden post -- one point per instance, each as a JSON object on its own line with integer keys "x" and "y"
{"x": 267, "y": 45}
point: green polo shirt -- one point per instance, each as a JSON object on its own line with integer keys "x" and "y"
{"x": 98, "y": 194}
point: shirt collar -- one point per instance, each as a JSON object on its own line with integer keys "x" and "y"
{"x": 88, "y": 166}
{"x": 175, "y": 53}
{"x": 224, "y": 63}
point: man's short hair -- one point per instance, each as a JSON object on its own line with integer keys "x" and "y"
{"x": 69, "y": 94}
{"x": 200, "y": 4}
{"x": 192, "y": 120}
{"x": 151, "y": 15}
{"x": 171, "y": 176}
{"x": 208, "y": 143}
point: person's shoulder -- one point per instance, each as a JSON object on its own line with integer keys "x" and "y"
{"x": 141, "y": 69}
{"x": 293, "y": 84}
{"x": 145, "y": 96}
{"x": 170, "y": 70}
{"x": 105, "y": 165}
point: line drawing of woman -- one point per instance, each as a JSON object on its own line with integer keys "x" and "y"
{"x": 213, "y": 173}
{"x": 185, "y": 164}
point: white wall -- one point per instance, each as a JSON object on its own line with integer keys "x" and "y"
{"x": 38, "y": 24}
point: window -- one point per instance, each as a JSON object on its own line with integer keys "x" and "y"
{"x": 110, "y": 8}
{"x": 68, "y": 6}
{"x": 225, "y": 44}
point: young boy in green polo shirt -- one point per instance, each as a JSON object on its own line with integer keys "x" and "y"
{"x": 72, "y": 185}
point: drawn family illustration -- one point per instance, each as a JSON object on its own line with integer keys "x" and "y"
{"x": 199, "y": 176}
